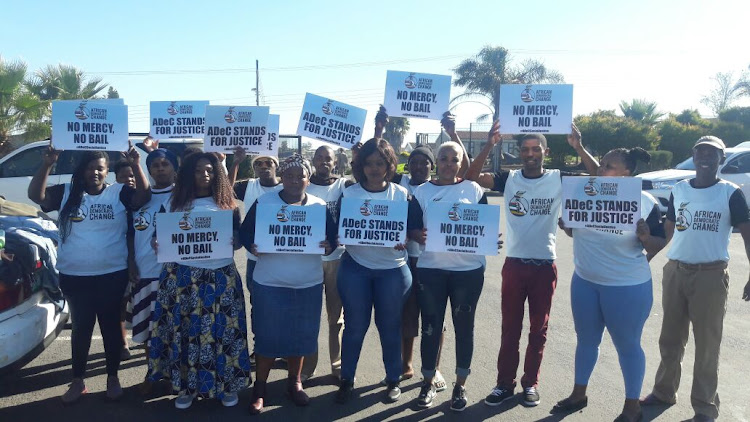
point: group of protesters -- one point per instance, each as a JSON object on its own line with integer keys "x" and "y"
{"x": 192, "y": 318}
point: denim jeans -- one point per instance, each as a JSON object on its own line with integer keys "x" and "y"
{"x": 463, "y": 288}
{"x": 362, "y": 289}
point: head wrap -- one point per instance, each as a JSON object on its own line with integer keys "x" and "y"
{"x": 161, "y": 153}
{"x": 424, "y": 150}
{"x": 295, "y": 160}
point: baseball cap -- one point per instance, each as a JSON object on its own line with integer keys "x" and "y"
{"x": 712, "y": 141}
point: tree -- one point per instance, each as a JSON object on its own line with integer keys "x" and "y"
{"x": 482, "y": 76}
{"x": 691, "y": 117}
{"x": 679, "y": 137}
{"x": 641, "y": 111}
{"x": 112, "y": 93}
{"x": 724, "y": 93}
{"x": 395, "y": 131}
{"x": 743, "y": 85}
{"x": 21, "y": 112}
{"x": 63, "y": 82}
{"x": 604, "y": 130}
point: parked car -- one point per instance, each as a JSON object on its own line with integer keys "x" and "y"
{"x": 18, "y": 167}
{"x": 32, "y": 308}
{"x": 735, "y": 168}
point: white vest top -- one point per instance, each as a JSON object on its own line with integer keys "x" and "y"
{"x": 252, "y": 193}
{"x": 331, "y": 195}
{"x": 143, "y": 224}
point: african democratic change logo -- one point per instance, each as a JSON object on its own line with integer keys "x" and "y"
{"x": 328, "y": 107}
{"x": 229, "y": 116}
{"x": 684, "y": 218}
{"x": 455, "y": 212}
{"x": 518, "y": 205}
{"x": 186, "y": 223}
{"x": 81, "y": 112}
{"x": 283, "y": 214}
{"x": 142, "y": 220}
{"x": 591, "y": 188}
{"x": 79, "y": 215}
{"x": 366, "y": 208}
{"x": 410, "y": 82}
{"x": 172, "y": 110}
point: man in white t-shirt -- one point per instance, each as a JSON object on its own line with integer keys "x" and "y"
{"x": 695, "y": 284}
{"x": 532, "y": 205}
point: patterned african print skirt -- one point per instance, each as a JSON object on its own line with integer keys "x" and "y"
{"x": 199, "y": 334}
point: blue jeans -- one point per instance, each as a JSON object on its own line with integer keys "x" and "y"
{"x": 623, "y": 310}
{"x": 362, "y": 289}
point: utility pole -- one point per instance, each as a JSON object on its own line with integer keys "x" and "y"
{"x": 257, "y": 83}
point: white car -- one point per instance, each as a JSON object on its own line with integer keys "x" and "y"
{"x": 18, "y": 167}
{"x": 735, "y": 168}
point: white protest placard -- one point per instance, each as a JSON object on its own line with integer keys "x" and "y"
{"x": 411, "y": 94}
{"x": 186, "y": 237}
{"x": 282, "y": 228}
{"x": 272, "y": 133}
{"x": 90, "y": 125}
{"x": 331, "y": 121}
{"x": 372, "y": 222}
{"x": 178, "y": 119}
{"x": 604, "y": 203}
{"x": 228, "y": 127}
{"x": 546, "y": 109}
{"x": 462, "y": 228}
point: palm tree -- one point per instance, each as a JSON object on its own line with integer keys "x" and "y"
{"x": 641, "y": 111}
{"x": 395, "y": 130}
{"x": 482, "y": 76}
{"x": 21, "y": 111}
{"x": 63, "y": 82}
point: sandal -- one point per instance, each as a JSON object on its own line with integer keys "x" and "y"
{"x": 569, "y": 406}
{"x": 439, "y": 382}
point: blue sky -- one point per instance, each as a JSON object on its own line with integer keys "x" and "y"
{"x": 663, "y": 51}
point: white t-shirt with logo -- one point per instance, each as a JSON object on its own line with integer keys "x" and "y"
{"x": 253, "y": 191}
{"x": 616, "y": 257}
{"x": 466, "y": 192}
{"x": 331, "y": 195}
{"x": 532, "y": 208}
{"x": 703, "y": 220}
{"x": 144, "y": 227}
{"x": 96, "y": 243}
{"x": 375, "y": 257}
{"x": 296, "y": 271}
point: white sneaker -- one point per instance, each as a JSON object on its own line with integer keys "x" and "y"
{"x": 230, "y": 399}
{"x": 183, "y": 401}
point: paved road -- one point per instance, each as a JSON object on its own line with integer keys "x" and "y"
{"x": 32, "y": 394}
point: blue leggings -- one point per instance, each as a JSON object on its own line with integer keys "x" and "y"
{"x": 623, "y": 310}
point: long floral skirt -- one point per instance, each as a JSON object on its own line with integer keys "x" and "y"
{"x": 199, "y": 333}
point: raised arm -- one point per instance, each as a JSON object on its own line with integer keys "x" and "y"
{"x": 574, "y": 140}
{"x": 381, "y": 119}
{"x": 142, "y": 187}
{"x": 474, "y": 173}
{"x": 239, "y": 157}
{"x": 449, "y": 124}
{"x": 38, "y": 184}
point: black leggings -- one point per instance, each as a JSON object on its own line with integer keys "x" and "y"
{"x": 91, "y": 298}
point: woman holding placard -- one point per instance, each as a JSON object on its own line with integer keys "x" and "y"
{"x": 373, "y": 277}
{"x": 287, "y": 299}
{"x": 199, "y": 333}
{"x": 611, "y": 288}
{"x": 446, "y": 275}
{"x": 93, "y": 218}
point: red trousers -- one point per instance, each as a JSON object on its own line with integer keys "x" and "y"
{"x": 522, "y": 281}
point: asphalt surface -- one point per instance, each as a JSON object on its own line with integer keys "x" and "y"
{"x": 32, "y": 393}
